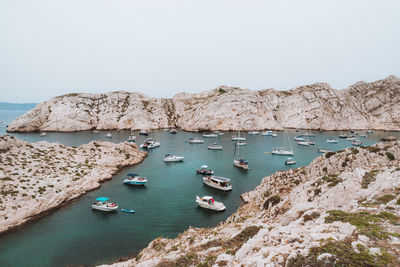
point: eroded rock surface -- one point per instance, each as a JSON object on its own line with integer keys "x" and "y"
{"x": 374, "y": 105}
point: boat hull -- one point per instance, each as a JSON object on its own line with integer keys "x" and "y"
{"x": 216, "y": 186}
{"x": 130, "y": 182}
{"x": 104, "y": 208}
{"x": 211, "y": 207}
{"x": 215, "y": 147}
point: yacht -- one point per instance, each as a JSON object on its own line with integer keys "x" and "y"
{"x": 215, "y": 146}
{"x": 240, "y": 143}
{"x": 332, "y": 141}
{"x": 144, "y": 132}
{"x": 109, "y": 135}
{"x": 210, "y": 135}
{"x": 299, "y": 138}
{"x": 321, "y": 150}
{"x": 135, "y": 179}
{"x": 241, "y": 163}
{"x": 195, "y": 140}
{"x": 208, "y": 202}
{"x": 172, "y": 158}
{"x": 303, "y": 143}
{"x": 267, "y": 133}
{"x": 43, "y": 134}
{"x": 253, "y": 133}
{"x": 150, "y": 143}
{"x": 238, "y": 137}
{"x": 103, "y": 204}
{"x": 282, "y": 151}
{"x": 173, "y": 131}
{"x": 218, "y": 182}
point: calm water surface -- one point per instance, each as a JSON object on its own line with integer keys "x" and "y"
{"x": 77, "y": 235}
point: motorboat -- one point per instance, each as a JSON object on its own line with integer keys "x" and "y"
{"x": 103, "y": 204}
{"x": 132, "y": 138}
{"x": 195, "y": 140}
{"x": 357, "y": 143}
{"x": 135, "y": 179}
{"x": 274, "y": 135}
{"x": 351, "y": 139}
{"x": 144, "y": 132}
{"x": 95, "y": 131}
{"x": 369, "y": 131}
{"x": 210, "y": 135}
{"x": 149, "y": 143}
{"x": 253, "y": 133}
{"x": 215, "y": 146}
{"x": 309, "y": 134}
{"x": 241, "y": 163}
{"x": 238, "y": 137}
{"x": 219, "y": 132}
{"x": 218, "y": 182}
{"x": 267, "y": 133}
{"x": 344, "y": 136}
{"x": 173, "y": 131}
{"x": 290, "y": 161}
{"x": 299, "y": 138}
{"x": 204, "y": 170}
{"x": 332, "y": 141}
{"x": 311, "y": 143}
{"x": 282, "y": 151}
{"x": 109, "y": 135}
{"x": 240, "y": 143}
{"x": 208, "y": 202}
{"x": 363, "y": 135}
{"x": 321, "y": 150}
{"x": 172, "y": 158}
{"x": 43, "y": 134}
{"x": 303, "y": 143}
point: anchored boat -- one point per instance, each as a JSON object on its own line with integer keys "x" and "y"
{"x": 208, "y": 202}
{"x": 135, "y": 179}
{"x": 204, "y": 170}
{"x": 218, "y": 182}
{"x": 290, "y": 161}
{"x": 215, "y": 146}
{"x": 172, "y": 158}
{"x": 103, "y": 204}
{"x": 150, "y": 143}
{"x": 210, "y": 135}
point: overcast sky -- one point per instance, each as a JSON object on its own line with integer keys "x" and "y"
{"x": 160, "y": 48}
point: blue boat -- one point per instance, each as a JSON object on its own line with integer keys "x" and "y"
{"x": 128, "y": 211}
{"x": 135, "y": 179}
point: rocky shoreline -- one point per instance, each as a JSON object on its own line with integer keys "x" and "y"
{"x": 39, "y": 178}
{"x": 362, "y": 106}
{"x": 343, "y": 208}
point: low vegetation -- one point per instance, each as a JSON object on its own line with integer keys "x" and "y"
{"x": 272, "y": 200}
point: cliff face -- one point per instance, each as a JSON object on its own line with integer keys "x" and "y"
{"x": 36, "y": 178}
{"x": 374, "y": 105}
{"x": 342, "y": 209}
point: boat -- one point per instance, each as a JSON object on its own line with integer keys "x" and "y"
{"x": 363, "y": 135}
{"x": 299, "y": 138}
{"x": 344, "y": 136}
{"x": 219, "y": 132}
{"x": 303, "y": 143}
{"x": 208, "y": 202}
{"x": 351, "y": 139}
{"x": 215, "y": 146}
{"x": 127, "y": 211}
{"x": 309, "y": 134}
{"x": 132, "y": 138}
{"x": 253, "y": 133}
{"x": 283, "y": 150}
{"x": 369, "y": 131}
{"x": 239, "y": 162}
{"x": 311, "y": 143}
{"x": 210, "y": 135}
{"x": 149, "y": 143}
{"x": 218, "y": 182}
{"x": 109, "y": 135}
{"x": 290, "y": 161}
{"x": 238, "y": 137}
{"x": 240, "y": 143}
{"x": 274, "y": 135}
{"x": 95, "y": 131}
{"x": 43, "y": 134}
{"x": 144, "y": 132}
{"x": 332, "y": 141}
{"x": 204, "y": 170}
{"x": 173, "y": 131}
{"x": 195, "y": 140}
{"x": 357, "y": 143}
{"x": 172, "y": 158}
{"x": 321, "y": 150}
{"x": 135, "y": 179}
{"x": 267, "y": 133}
{"x": 103, "y": 204}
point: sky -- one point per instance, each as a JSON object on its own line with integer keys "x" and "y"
{"x": 161, "y": 48}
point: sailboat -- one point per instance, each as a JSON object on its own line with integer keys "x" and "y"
{"x": 215, "y": 146}
{"x": 238, "y": 137}
{"x": 109, "y": 135}
{"x": 131, "y": 137}
{"x": 284, "y": 150}
{"x": 240, "y": 162}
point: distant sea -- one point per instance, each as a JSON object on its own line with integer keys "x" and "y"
{"x": 16, "y": 106}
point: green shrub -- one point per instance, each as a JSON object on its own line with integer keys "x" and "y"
{"x": 390, "y": 156}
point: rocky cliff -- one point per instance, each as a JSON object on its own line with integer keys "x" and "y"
{"x": 39, "y": 177}
{"x": 341, "y": 210}
{"x": 374, "y": 105}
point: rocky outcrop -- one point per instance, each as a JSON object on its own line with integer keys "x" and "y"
{"x": 40, "y": 177}
{"x": 342, "y": 209}
{"x": 364, "y": 105}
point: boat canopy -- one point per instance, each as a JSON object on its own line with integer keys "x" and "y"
{"x": 102, "y": 199}
{"x": 207, "y": 198}
{"x": 203, "y": 166}
{"x": 220, "y": 179}
{"x": 167, "y": 155}
{"x": 132, "y": 174}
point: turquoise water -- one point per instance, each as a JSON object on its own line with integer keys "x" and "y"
{"x": 77, "y": 235}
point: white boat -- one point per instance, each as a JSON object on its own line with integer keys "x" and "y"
{"x": 290, "y": 161}
{"x": 208, "y": 202}
{"x": 218, "y": 182}
{"x": 238, "y": 137}
{"x": 357, "y": 143}
{"x": 210, "y": 135}
{"x": 219, "y": 132}
{"x": 344, "y": 136}
{"x": 303, "y": 143}
{"x": 238, "y": 161}
{"x": 172, "y": 158}
{"x": 150, "y": 143}
{"x": 369, "y": 131}
{"x": 95, "y": 131}
{"x": 351, "y": 139}
{"x": 144, "y": 132}
{"x": 274, "y": 135}
{"x": 311, "y": 143}
{"x": 173, "y": 131}
{"x": 135, "y": 179}
{"x": 284, "y": 150}
{"x": 131, "y": 137}
{"x": 332, "y": 141}
{"x": 299, "y": 138}
{"x": 240, "y": 143}
{"x": 253, "y": 133}
{"x": 267, "y": 133}
{"x": 204, "y": 170}
{"x": 215, "y": 146}
{"x": 43, "y": 134}
{"x": 109, "y": 135}
{"x": 321, "y": 150}
{"x": 103, "y": 204}
{"x": 195, "y": 140}
{"x": 309, "y": 134}
{"x": 363, "y": 135}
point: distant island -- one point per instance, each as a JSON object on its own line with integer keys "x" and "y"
{"x": 16, "y": 106}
